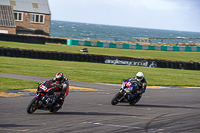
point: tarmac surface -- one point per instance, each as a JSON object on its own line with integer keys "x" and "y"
{"x": 88, "y": 110}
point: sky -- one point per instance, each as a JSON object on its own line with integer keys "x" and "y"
{"x": 181, "y": 15}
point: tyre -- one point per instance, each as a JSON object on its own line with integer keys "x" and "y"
{"x": 115, "y": 99}
{"x": 54, "y": 109}
{"x": 32, "y": 107}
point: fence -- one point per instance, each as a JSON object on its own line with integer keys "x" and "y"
{"x": 132, "y": 46}
{"x": 43, "y": 40}
{"x": 179, "y": 40}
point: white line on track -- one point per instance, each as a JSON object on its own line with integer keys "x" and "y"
{"x": 108, "y": 84}
{"x": 110, "y": 125}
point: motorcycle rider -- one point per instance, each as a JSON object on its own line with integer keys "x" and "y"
{"x": 62, "y": 86}
{"x": 142, "y": 84}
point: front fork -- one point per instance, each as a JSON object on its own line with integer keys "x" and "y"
{"x": 124, "y": 94}
{"x": 37, "y": 96}
{"x": 40, "y": 101}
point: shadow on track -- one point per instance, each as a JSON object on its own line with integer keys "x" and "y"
{"x": 159, "y": 106}
{"x": 15, "y": 125}
{"x": 84, "y": 113}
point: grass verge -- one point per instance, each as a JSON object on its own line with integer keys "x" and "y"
{"x": 16, "y": 84}
{"x": 94, "y": 72}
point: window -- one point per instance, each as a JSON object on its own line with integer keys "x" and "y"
{"x": 41, "y": 18}
{"x": 18, "y": 16}
{"x": 36, "y": 18}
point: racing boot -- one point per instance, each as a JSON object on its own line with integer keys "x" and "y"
{"x": 60, "y": 102}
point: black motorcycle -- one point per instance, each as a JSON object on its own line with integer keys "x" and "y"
{"x": 43, "y": 100}
{"x": 127, "y": 94}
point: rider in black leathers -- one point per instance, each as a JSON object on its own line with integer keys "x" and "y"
{"x": 62, "y": 86}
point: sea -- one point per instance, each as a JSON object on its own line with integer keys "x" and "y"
{"x": 75, "y": 30}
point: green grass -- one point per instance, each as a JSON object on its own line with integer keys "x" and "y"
{"x": 16, "y": 84}
{"x": 147, "y": 54}
{"x": 94, "y": 72}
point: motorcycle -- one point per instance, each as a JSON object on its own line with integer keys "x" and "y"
{"x": 127, "y": 94}
{"x": 43, "y": 100}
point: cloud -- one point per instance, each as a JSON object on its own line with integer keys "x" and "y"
{"x": 163, "y": 14}
{"x": 162, "y": 5}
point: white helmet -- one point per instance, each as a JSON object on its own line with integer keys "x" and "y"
{"x": 139, "y": 76}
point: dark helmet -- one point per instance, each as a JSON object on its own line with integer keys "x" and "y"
{"x": 59, "y": 77}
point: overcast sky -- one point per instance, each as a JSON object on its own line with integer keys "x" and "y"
{"x": 182, "y": 15}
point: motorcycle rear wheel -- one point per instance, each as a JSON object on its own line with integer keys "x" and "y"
{"x": 32, "y": 106}
{"x": 54, "y": 110}
{"x": 115, "y": 99}
{"x": 136, "y": 100}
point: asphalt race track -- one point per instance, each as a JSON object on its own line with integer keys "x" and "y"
{"x": 161, "y": 110}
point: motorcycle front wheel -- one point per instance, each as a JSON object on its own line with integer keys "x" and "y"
{"x": 32, "y": 106}
{"x": 116, "y": 98}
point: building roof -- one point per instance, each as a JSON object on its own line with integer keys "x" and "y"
{"x": 6, "y": 16}
{"x": 35, "y": 6}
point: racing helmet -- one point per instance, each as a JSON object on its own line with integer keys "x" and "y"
{"x": 139, "y": 76}
{"x": 59, "y": 77}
